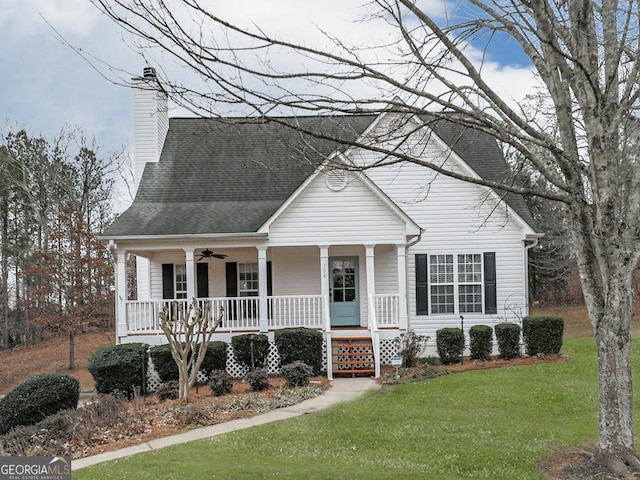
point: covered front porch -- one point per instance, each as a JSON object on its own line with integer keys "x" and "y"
{"x": 346, "y": 291}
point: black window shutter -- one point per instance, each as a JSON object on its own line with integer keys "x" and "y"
{"x": 490, "y": 295}
{"x": 269, "y": 280}
{"x": 167, "y": 281}
{"x": 232, "y": 279}
{"x": 231, "y": 269}
{"x": 202, "y": 276}
{"x": 422, "y": 285}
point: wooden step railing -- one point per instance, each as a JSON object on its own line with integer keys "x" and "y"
{"x": 352, "y": 356}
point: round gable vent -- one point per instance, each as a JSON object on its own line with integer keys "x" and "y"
{"x": 337, "y": 179}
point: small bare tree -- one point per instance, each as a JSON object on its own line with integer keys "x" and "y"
{"x": 189, "y": 333}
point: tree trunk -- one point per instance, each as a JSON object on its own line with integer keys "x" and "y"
{"x": 72, "y": 350}
{"x": 616, "y": 448}
{"x": 4, "y": 268}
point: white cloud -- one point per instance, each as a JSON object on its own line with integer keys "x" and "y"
{"x": 46, "y": 84}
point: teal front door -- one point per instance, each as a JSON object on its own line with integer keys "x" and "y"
{"x": 343, "y": 292}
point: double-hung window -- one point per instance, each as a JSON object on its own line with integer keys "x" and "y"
{"x": 181, "y": 281}
{"x": 470, "y": 283}
{"x": 442, "y": 283}
{"x": 248, "y": 280}
{"x": 455, "y": 283}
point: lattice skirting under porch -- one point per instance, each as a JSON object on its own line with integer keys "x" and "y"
{"x": 235, "y": 369}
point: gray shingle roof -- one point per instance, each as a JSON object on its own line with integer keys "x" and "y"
{"x": 231, "y": 175}
{"x": 482, "y": 153}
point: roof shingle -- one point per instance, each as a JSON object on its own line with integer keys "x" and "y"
{"x": 231, "y": 175}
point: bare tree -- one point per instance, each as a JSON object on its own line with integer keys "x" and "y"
{"x": 188, "y": 330}
{"x": 54, "y": 197}
{"x": 585, "y": 55}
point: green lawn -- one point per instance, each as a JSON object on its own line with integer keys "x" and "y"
{"x": 491, "y": 424}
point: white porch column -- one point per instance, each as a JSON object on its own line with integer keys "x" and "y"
{"x": 263, "y": 305}
{"x": 402, "y": 288}
{"x": 324, "y": 285}
{"x": 324, "y": 290}
{"x": 190, "y": 270}
{"x": 371, "y": 281}
{"x": 121, "y": 295}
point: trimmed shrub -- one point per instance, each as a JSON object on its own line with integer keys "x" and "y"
{"x": 120, "y": 368}
{"x": 164, "y": 363}
{"x": 508, "y": 337}
{"x": 296, "y": 374}
{"x": 480, "y": 342}
{"x": 258, "y": 379}
{"x": 300, "y": 344}
{"x": 450, "y": 344}
{"x": 37, "y": 398}
{"x": 168, "y": 390}
{"x": 215, "y": 358}
{"x": 542, "y": 334}
{"x": 220, "y": 382}
{"x": 251, "y": 349}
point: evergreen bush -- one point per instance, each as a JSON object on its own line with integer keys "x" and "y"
{"x": 542, "y": 334}
{"x": 163, "y": 362}
{"x": 300, "y": 344}
{"x": 37, "y": 398}
{"x": 508, "y": 338}
{"x": 251, "y": 349}
{"x": 168, "y": 390}
{"x": 450, "y": 345}
{"x": 258, "y": 379}
{"x": 480, "y": 342}
{"x": 297, "y": 374}
{"x": 120, "y": 368}
{"x": 220, "y": 382}
{"x": 215, "y": 358}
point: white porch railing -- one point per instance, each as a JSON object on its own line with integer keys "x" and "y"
{"x": 387, "y": 310}
{"x": 295, "y": 311}
{"x": 242, "y": 313}
{"x": 375, "y": 334}
{"x": 239, "y": 313}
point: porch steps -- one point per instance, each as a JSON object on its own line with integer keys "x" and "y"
{"x": 352, "y": 356}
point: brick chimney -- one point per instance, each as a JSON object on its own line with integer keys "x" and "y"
{"x": 151, "y": 120}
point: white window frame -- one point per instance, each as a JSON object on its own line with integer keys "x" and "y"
{"x": 446, "y": 279}
{"x": 180, "y": 280}
{"x": 471, "y": 276}
{"x": 248, "y": 280}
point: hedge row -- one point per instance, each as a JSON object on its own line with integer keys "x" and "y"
{"x": 122, "y": 368}
{"x": 541, "y": 334}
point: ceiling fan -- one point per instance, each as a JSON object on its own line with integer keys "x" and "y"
{"x": 209, "y": 254}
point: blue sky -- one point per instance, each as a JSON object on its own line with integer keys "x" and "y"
{"x": 46, "y": 85}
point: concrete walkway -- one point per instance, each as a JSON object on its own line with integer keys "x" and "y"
{"x": 342, "y": 390}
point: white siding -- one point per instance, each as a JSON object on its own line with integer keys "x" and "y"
{"x": 457, "y": 217}
{"x": 142, "y": 278}
{"x": 386, "y": 265}
{"x": 354, "y": 215}
{"x": 296, "y": 271}
{"x": 151, "y": 123}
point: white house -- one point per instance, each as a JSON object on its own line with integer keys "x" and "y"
{"x": 247, "y": 215}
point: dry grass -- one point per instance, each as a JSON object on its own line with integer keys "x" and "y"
{"x": 51, "y": 356}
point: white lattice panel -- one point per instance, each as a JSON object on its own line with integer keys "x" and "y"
{"x": 234, "y": 368}
{"x": 388, "y": 349}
